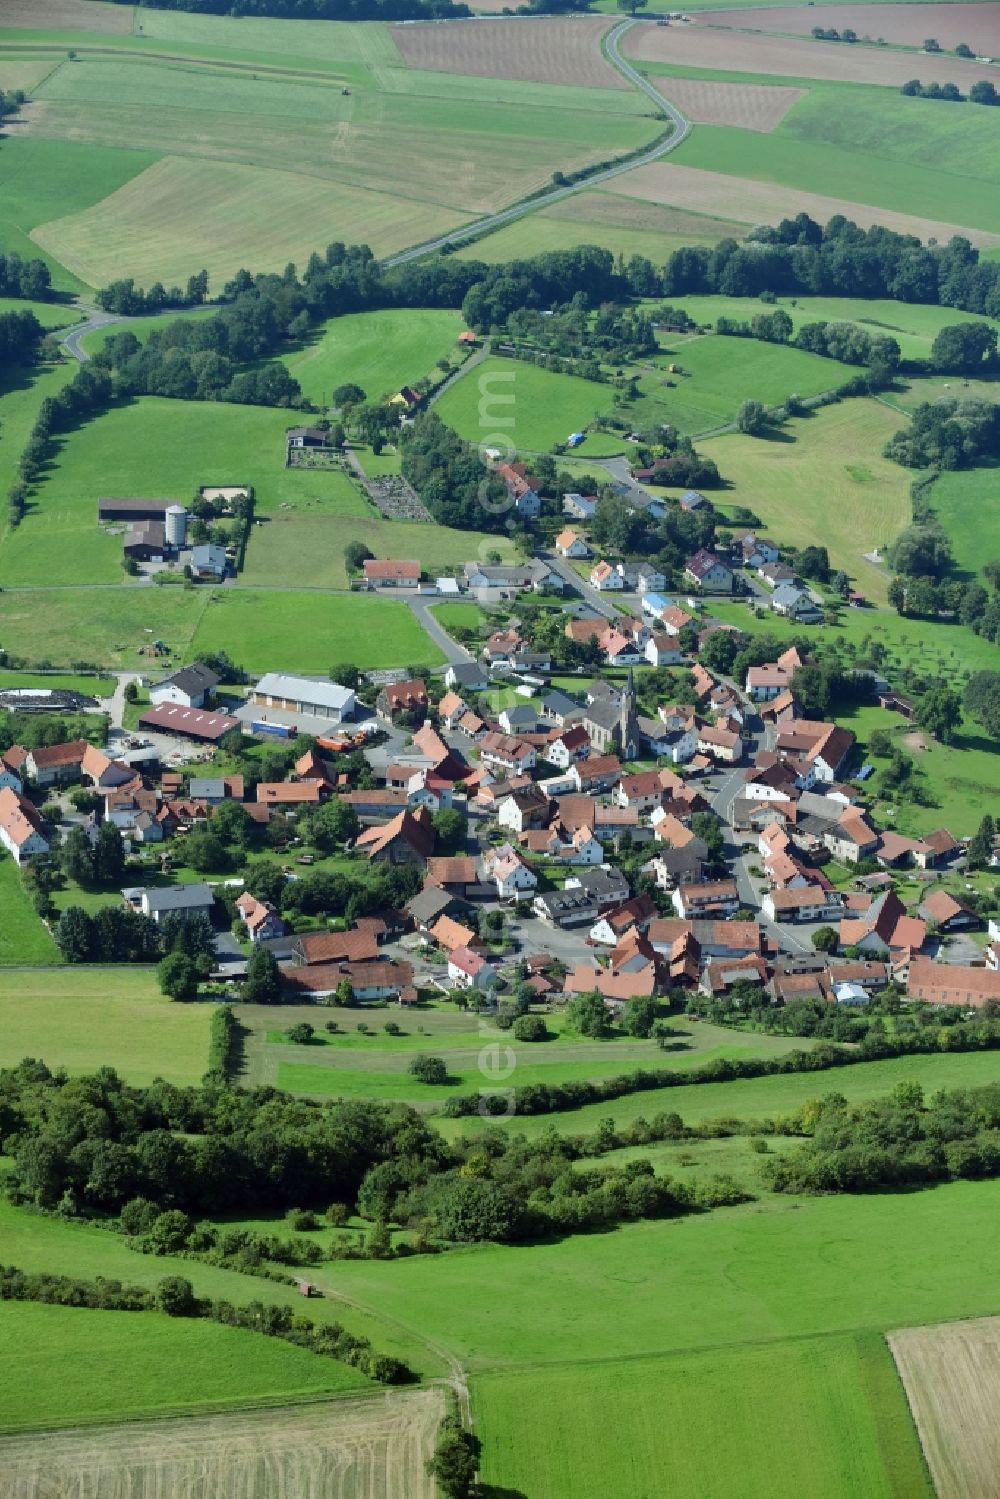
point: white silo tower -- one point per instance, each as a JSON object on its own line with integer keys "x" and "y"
{"x": 175, "y": 525}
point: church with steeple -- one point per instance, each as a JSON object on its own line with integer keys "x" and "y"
{"x": 611, "y": 719}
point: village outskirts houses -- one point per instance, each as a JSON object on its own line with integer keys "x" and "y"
{"x": 709, "y": 572}
{"x": 570, "y": 544}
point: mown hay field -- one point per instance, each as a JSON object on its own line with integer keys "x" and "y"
{"x": 563, "y": 49}
{"x": 84, "y": 1018}
{"x": 791, "y": 57}
{"x": 822, "y": 1416}
{"x": 903, "y": 25}
{"x": 67, "y": 1365}
{"x": 751, "y": 106}
{"x": 622, "y": 225}
{"x": 951, "y": 1374}
{"x": 729, "y": 188}
{"x": 68, "y": 15}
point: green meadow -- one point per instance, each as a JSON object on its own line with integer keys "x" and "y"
{"x": 621, "y": 225}
{"x": 965, "y": 502}
{"x": 380, "y": 351}
{"x": 821, "y": 478}
{"x": 311, "y": 632}
{"x": 184, "y": 1366}
{"x": 913, "y": 325}
{"x": 506, "y": 401}
{"x": 707, "y": 1423}
{"x": 84, "y": 1018}
{"x": 22, "y": 391}
{"x": 716, "y": 372}
{"x": 845, "y": 171}
{"x": 23, "y": 937}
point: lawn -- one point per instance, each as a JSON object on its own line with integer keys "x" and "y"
{"x": 380, "y": 351}
{"x": 912, "y": 324}
{"x": 311, "y": 632}
{"x": 717, "y": 373}
{"x": 23, "y": 937}
{"x": 84, "y": 1018}
{"x": 110, "y": 627}
{"x": 308, "y": 551}
{"x": 505, "y": 401}
{"x": 184, "y": 1366}
{"x": 49, "y": 314}
{"x": 67, "y": 682}
{"x": 822, "y": 480}
{"x": 851, "y": 173}
{"x": 154, "y": 447}
{"x": 831, "y": 1411}
{"x": 459, "y": 617}
{"x": 22, "y": 391}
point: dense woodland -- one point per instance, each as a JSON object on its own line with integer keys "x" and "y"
{"x": 24, "y": 278}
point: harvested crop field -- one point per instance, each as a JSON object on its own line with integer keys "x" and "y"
{"x": 752, "y": 106}
{"x": 904, "y": 25}
{"x": 67, "y": 15}
{"x": 566, "y": 49}
{"x": 951, "y": 1374}
{"x": 790, "y": 57}
{"x": 753, "y": 202}
{"x": 371, "y": 1448}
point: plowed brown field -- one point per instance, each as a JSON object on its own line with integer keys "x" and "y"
{"x": 752, "y": 106}
{"x": 563, "y": 49}
{"x": 66, "y": 15}
{"x": 752, "y": 202}
{"x": 373, "y": 1448}
{"x": 951, "y": 1375}
{"x": 906, "y": 25}
{"x": 791, "y": 57}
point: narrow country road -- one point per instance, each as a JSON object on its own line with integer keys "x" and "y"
{"x": 94, "y": 319}
{"x": 483, "y": 352}
{"x": 455, "y": 654}
{"x": 579, "y": 584}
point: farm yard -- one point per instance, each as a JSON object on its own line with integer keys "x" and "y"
{"x": 951, "y": 1374}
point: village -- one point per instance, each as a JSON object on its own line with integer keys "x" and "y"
{"x": 544, "y": 829}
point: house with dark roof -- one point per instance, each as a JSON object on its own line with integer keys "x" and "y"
{"x": 709, "y": 572}
{"x": 187, "y": 687}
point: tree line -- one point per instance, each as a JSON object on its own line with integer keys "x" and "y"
{"x": 175, "y": 1296}
{"x": 319, "y": 10}
{"x": 129, "y": 300}
{"x": 25, "y": 278}
{"x": 981, "y": 92}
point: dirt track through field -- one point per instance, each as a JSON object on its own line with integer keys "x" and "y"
{"x": 372, "y": 1448}
{"x": 792, "y": 57}
{"x": 67, "y": 15}
{"x": 951, "y": 1375}
{"x": 751, "y": 106}
{"x": 906, "y": 25}
{"x": 752, "y": 202}
{"x": 564, "y": 49}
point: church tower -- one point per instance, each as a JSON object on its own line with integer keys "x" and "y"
{"x": 628, "y": 727}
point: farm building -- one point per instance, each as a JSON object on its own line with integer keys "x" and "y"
{"x": 187, "y": 687}
{"x": 188, "y": 723}
{"x": 306, "y": 437}
{"x": 314, "y": 696}
{"x": 119, "y": 510}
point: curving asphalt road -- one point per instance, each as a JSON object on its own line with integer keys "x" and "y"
{"x": 682, "y": 128}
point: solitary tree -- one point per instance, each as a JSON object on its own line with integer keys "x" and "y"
{"x": 262, "y": 985}
{"x": 981, "y": 845}
{"x": 430, "y": 1070}
{"x": 751, "y": 418}
{"x": 177, "y": 976}
{"x": 76, "y": 858}
{"x": 825, "y": 939}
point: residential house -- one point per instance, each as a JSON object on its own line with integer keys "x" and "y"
{"x": 209, "y": 561}
{"x": 21, "y": 828}
{"x": 402, "y": 700}
{"x": 708, "y": 898}
{"x": 290, "y": 794}
{"x": 693, "y": 499}
{"x": 583, "y": 848}
{"x": 775, "y": 573}
{"x": 806, "y": 903}
{"x": 522, "y": 488}
{"x": 527, "y": 808}
{"x": 188, "y": 687}
{"x": 585, "y": 897}
{"x": 307, "y": 437}
{"x": 368, "y": 981}
{"x": 663, "y": 650}
{"x": 381, "y": 573}
{"x": 641, "y": 577}
{"x": 55, "y": 764}
{"x": 407, "y": 839}
{"x": 606, "y": 579}
{"x": 558, "y": 708}
{"x": 709, "y": 572}
{"x": 261, "y": 920}
{"x": 884, "y": 929}
{"x": 449, "y": 934}
{"x": 579, "y": 506}
{"x": 508, "y": 871}
{"x": 451, "y": 708}
{"x": 183, "y": 900}
{"x": 643, "y": 790}
{"x": 633, "y": 915}
{"x": 795, "y": 603}
{"x": 470, "y": 970}
{"x": 620, "y": 649}
{"x": 507, "y": 753}
{"x": 519, "y": 718}
{"x": 570, "y": 543}
{"x": 725, "y": 745}
{"x": 755, "y": 550}
{"x": 467, "y": 676}
{"x": 851, "y": 838}
{"x": 569, "y": 746}
{"x": 596, "y": 773}
{"x": 947, "y": 912}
